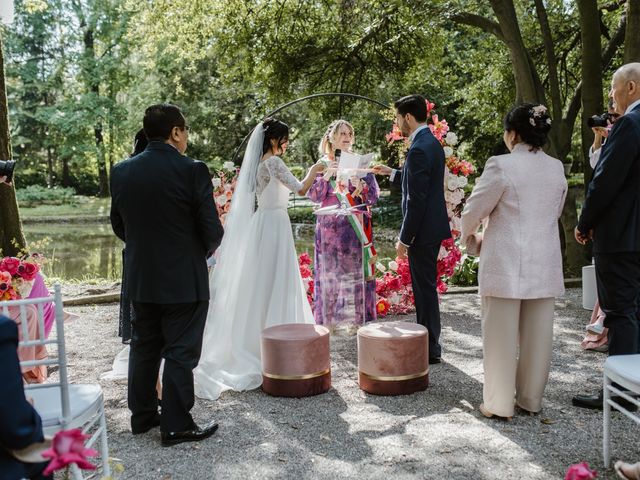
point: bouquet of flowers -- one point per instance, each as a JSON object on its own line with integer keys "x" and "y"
{"x": 224, "y": 183}
{"x": 455, "y": 181}
{"x": 394, "y": 293}
{"x": 17, "y": 276}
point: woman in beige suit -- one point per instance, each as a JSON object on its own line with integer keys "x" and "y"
{"x": 518, "y": 198}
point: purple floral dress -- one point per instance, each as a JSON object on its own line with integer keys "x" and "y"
{"x": 342, "y": 296}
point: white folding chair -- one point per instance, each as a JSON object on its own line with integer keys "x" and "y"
{"x": 623, "y": 370}
{"x": 61, "y": 405}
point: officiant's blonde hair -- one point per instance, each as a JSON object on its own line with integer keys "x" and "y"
{"x": 329, "y": 139}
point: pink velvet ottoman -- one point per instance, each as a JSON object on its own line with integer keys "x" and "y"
{"x": 295, "y": 360}
{"x": 393, "y": 358}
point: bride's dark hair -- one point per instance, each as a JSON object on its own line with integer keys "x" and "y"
{"x": 274, "y": 129}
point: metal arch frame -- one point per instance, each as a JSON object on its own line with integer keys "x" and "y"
{"x": 303, "y": 99}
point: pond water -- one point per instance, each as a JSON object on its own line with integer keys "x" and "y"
{"x": 89, "y": 251}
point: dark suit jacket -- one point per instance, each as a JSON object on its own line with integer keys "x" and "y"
{"x": 20, "y": 424}
{"x": 612, "y": 205}
{"x": 162, "y": 207}
{"x": 424, "y": 211}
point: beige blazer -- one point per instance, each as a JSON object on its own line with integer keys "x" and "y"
{"x": 521, "y": 194}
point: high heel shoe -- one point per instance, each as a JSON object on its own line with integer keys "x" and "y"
{"x": 488, "y": 414}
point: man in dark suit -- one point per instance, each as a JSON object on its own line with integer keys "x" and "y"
{"x": 611, "y": 218}
{"x": 425, "y": 221}
{"x": 162, "y": 208}
{"x": 20, "y": 424}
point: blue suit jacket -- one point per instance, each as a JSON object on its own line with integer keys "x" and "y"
{"x": 20, "y": 424}
{"x": 424, "y": 211}
{"x": 612, "y": 205}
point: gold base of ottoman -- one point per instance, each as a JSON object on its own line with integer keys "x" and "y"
{"x": 283, "y": 386}
{"x": 393, "y": 385}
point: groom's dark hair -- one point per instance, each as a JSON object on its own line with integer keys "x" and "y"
{"x": 416, "y": 105}
{"x": 160, "y": 119}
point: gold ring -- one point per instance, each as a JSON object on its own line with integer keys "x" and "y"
{"x": 396, "y": 378}
{"x": 296, "y": 377}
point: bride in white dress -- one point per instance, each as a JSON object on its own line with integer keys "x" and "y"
{"x": 256, "y": 282}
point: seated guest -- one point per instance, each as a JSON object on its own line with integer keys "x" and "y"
{"x": 20, "y": 424}
{"x": 521, "y": 194}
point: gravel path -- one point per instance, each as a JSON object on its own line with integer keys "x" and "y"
{"x": 346, "y": 433}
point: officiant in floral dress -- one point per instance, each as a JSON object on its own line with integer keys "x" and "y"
{"x": 344, "y": 282}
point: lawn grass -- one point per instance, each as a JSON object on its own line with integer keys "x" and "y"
{"x": 83, "y": 207}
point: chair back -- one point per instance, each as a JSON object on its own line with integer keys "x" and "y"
{"x": 18, "y": 310}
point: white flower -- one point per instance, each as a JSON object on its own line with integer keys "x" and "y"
{"x": 451, "y": 138}
{"x": 455, "y": 182}
{"x": 454, "y": 197}
{"x": 381, "y": 267}
{"x": 230, "y": 166}
{"x": 216, "y": 182}
{"x": 442, "y": 253}
{"x": 448, "y": 151}
{"x": 393, "y": 265}
{"x": 394, "y": 298}
{"x": 221, "y": 200}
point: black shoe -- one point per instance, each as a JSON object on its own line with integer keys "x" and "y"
{"x": 434, "y": 360}
{"x": 194, "y": 435}
{"x": 596, "y": 401}
{"x": 144, "y": 428}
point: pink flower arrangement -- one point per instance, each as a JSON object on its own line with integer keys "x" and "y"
{"x": 580, "y": 471}
{"x": 67, "y": 448}
{"x": 306, "y": 272}
{"x": 17, "y": 276}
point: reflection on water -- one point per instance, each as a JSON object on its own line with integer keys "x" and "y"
{"x": 84, "y": 251}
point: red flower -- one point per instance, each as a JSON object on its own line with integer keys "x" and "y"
{"x": 580, "y": 471}
{"x": 304, "y": 259}
{"x": 442, "y": 287}
{"x": 382, "y": 307}
{"x": 311, "y": 288}
{"x": 28, "y": 270}
{"x": 67, "y": 448}
{"x": 305, "y": 271}
{"x": 10, "y": 264}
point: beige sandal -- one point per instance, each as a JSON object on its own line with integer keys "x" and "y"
{"x": 628, "y": 471}
{"x": 488, "y": 414}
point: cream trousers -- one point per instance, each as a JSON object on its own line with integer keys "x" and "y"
{"x": 506, "y": 325}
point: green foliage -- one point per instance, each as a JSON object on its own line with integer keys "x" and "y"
{"x": 466, "y": 274}
{"x": 37, "y": 195}
{"x": 302, "y": 215}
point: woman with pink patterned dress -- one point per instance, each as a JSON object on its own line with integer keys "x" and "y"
{"x": 345, "y": 290}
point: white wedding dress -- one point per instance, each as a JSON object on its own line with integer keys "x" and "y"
{"x": 256, "y": 284}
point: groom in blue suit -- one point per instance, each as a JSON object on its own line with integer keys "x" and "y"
{"x": 425, "y": 221}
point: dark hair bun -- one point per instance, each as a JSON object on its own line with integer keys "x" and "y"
{"x": 531, "y": 121}
{"x": 274, "y": 129}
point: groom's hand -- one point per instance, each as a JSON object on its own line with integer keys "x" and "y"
{"x": 382, "y": 170}
{"x": 401, "y": 250}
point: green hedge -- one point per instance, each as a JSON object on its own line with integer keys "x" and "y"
{"x": 37, "y": 195}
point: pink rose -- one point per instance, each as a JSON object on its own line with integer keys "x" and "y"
{"x": 580, "y": 471}
{"x": 305, "y": 259}
{"x": 305, "y": 271}
{"x": 10, "y": 264}
{"x": 67, "y": 448}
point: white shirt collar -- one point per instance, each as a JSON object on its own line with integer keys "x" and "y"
{"x": 415, "y": 132}
{"x": 632, "y": 106}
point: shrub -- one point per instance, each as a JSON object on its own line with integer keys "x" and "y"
{"x": 38, "y": 195}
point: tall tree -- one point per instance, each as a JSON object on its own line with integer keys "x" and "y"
{"x": 11, "y": 236}
{"x": 632, "y": 37}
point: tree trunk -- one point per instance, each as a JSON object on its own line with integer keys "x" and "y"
{"x": 632, "y": 35}
{"x": 12, "y": 239}
{"x": 49, "y": 166}
{"x": 592, "y": 92}
{"x": 91, "y": 75}
{"x": 526, "y": 88}
{"x": 66, "y": 174}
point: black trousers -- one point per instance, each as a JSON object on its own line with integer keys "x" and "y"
{"x": 618, "y": 281}
{"x": 173, "y": 332}
{"x": 422, "y": 263}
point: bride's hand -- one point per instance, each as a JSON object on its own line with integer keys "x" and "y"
{"x": 318, "y": 167}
